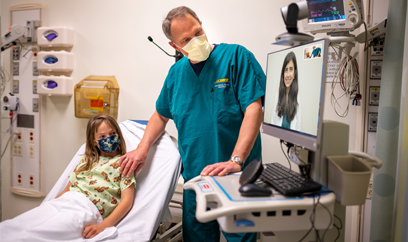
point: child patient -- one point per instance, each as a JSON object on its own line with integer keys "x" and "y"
{"x": 97, "y": 175}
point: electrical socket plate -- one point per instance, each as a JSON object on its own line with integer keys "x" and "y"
{"x": 31, "y": 152}
{"x": 34, "y": 86}
{"x": 16, "y": 68}
{"x": 16, "y": 86}
{"x": 18, "y": 149}
{"x": 376, "y": 69}
{"x": 372, "y": 122}
{"x": 374, "y": 96}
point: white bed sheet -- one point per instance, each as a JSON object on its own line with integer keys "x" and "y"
{"x": 156, "y": 183}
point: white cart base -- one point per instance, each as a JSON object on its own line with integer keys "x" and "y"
{"x": 276, "y": 213}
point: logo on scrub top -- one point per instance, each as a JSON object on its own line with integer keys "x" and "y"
{"x": 222, "y": 83}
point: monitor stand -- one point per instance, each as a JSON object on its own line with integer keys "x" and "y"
{"x": 334, "y": 141}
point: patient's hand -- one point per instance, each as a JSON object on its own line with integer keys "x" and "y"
{"x": 92, "y": 230}
{"x": 133, "y": 161}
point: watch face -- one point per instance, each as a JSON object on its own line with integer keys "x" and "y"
{"x": 237, "y": 159}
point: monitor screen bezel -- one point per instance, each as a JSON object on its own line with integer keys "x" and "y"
{"x": 304, "y": 140}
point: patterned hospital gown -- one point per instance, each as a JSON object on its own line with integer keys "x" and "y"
{"x": 102, "y": 184}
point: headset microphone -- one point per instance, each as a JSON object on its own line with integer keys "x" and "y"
{"x": 178, "y": 55}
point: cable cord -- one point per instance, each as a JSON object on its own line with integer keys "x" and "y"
{"x": 305, "y": 168}
{"x": 13, "y": 119}
{"x": 313, "y": 217}
{"x": 365, "y": 35}
{"x": 287, "y": 158}
{"x": 7, "y": 144}
{"x": 338, "y": 228}
{"x": 348, "y": 78}
{"x": 4, "y": 77}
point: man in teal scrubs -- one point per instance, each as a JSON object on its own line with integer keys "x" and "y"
{"x": 316, "y": 52}
{"x": 214, "y": 95}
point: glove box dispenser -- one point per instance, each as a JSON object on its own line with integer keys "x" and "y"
{"x": 55, "y": 61}
{"x": 96, "y": 94}
{"x": 55, "y": 85}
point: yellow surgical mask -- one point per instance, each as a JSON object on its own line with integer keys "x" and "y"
{"x": 198, "y": 48}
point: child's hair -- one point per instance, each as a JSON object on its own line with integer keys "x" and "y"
{"x": 92, "y": 152}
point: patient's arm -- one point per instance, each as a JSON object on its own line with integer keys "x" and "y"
{"x": 66, "y": 189}
{"x": 117, "y": 214}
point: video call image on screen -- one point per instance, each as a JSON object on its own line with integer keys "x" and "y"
{"x": 293, "y": 88}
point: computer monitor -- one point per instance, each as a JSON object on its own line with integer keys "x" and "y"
{"x": 333, "y": 16}
{"x": 294, "y": 95}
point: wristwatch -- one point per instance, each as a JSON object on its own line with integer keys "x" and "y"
{"x": 237, "y": 159}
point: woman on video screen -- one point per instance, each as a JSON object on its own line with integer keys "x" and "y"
{"x": 287, "y": 108}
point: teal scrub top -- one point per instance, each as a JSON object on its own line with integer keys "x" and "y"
{"x": 208, "y": 110}
{"x": 285, "y": 123}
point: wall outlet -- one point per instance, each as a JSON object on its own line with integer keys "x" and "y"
{"x": 19, "y": 178}
{"x": 16, "y": 68}
{"x": 374, "y": 98}
{"x": 31, "y": 180}
{"x": 376, "y": 68}
{"x": 35, "y": 105}
{"x": 16, "y": 86}
{"x": 372, "y": 122}
{"x": 34, "y": 86}
{"x": 31, "y": 151}
{"x": 35, "y": 70}
{"x": 18, "y": 149}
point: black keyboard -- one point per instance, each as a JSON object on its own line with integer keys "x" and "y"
{"x": 286, "y": 181}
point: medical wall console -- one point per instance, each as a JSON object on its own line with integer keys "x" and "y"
{"x": 23, "y": 104}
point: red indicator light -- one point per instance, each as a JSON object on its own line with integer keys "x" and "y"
{"x": 31, "y": 138}
{"x": 19, "y": 137}
{"x": 31, "y": 178}
{"x": 35, "y": 54}
{"x": 19, "y": 181}
{"x": 19, "y": 176}
{"x": 31, "y": 183}
{"x": 31, "y": 133}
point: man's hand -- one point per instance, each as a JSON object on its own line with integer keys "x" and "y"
{"x": 92, "y": 230}
{"x": 221, "y": 169}
{"x": 133, "y": 161}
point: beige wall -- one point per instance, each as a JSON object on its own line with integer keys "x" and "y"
{"x": 111, "y": 39}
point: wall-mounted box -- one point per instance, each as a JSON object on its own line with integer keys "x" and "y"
{"x": 55, "y": 37}
{"x": 96, "y": 94}
{"x": 55, "y": 61}
{"x": 55, "y": 85}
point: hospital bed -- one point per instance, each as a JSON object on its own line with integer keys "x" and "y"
{"x": 156, "y": 184}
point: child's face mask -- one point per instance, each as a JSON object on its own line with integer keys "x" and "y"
{"x": 109, "y": 144}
